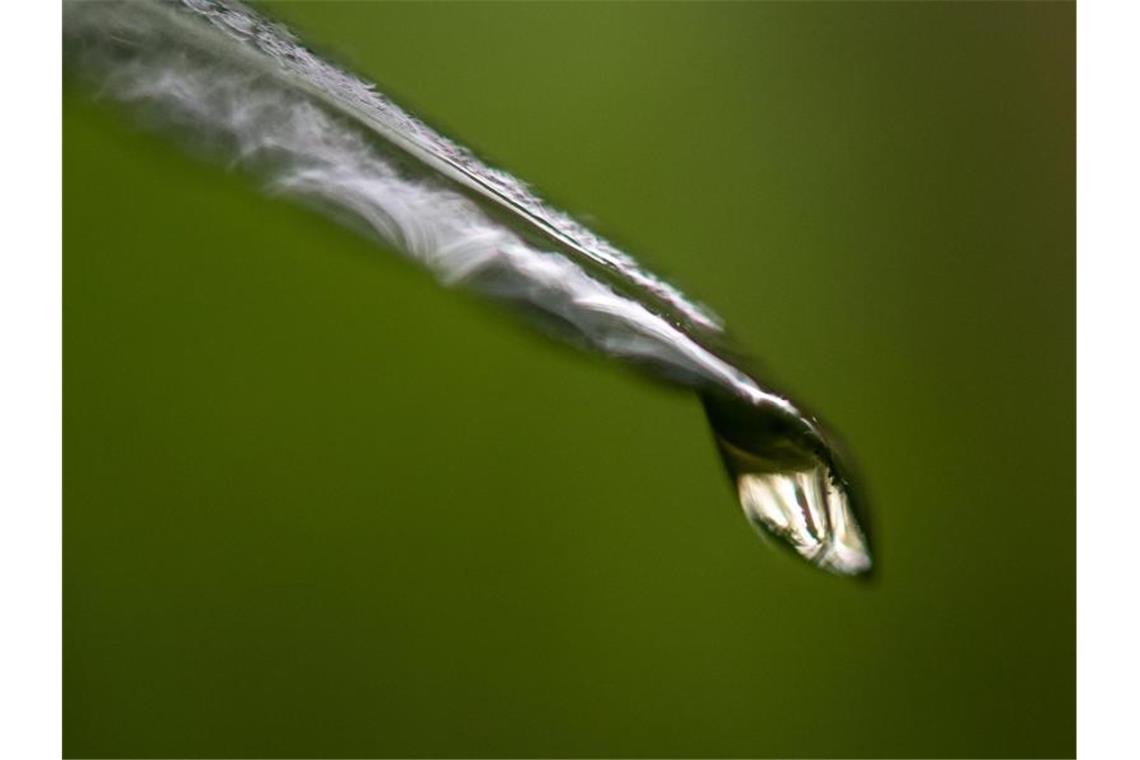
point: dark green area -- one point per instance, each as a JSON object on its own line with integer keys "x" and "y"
{"x": 317, "y": 506}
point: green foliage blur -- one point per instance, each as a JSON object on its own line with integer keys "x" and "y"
{"x": 316, "y": 505}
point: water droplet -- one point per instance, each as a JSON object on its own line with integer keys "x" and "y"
{"x": 789, "y": 483}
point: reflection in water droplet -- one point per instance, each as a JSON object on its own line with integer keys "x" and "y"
{"x": 789, "y": 483}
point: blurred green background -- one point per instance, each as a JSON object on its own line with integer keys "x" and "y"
{"x": 317, "y": 506}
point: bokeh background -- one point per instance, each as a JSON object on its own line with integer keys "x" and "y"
{"x": 317, "y": 506}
